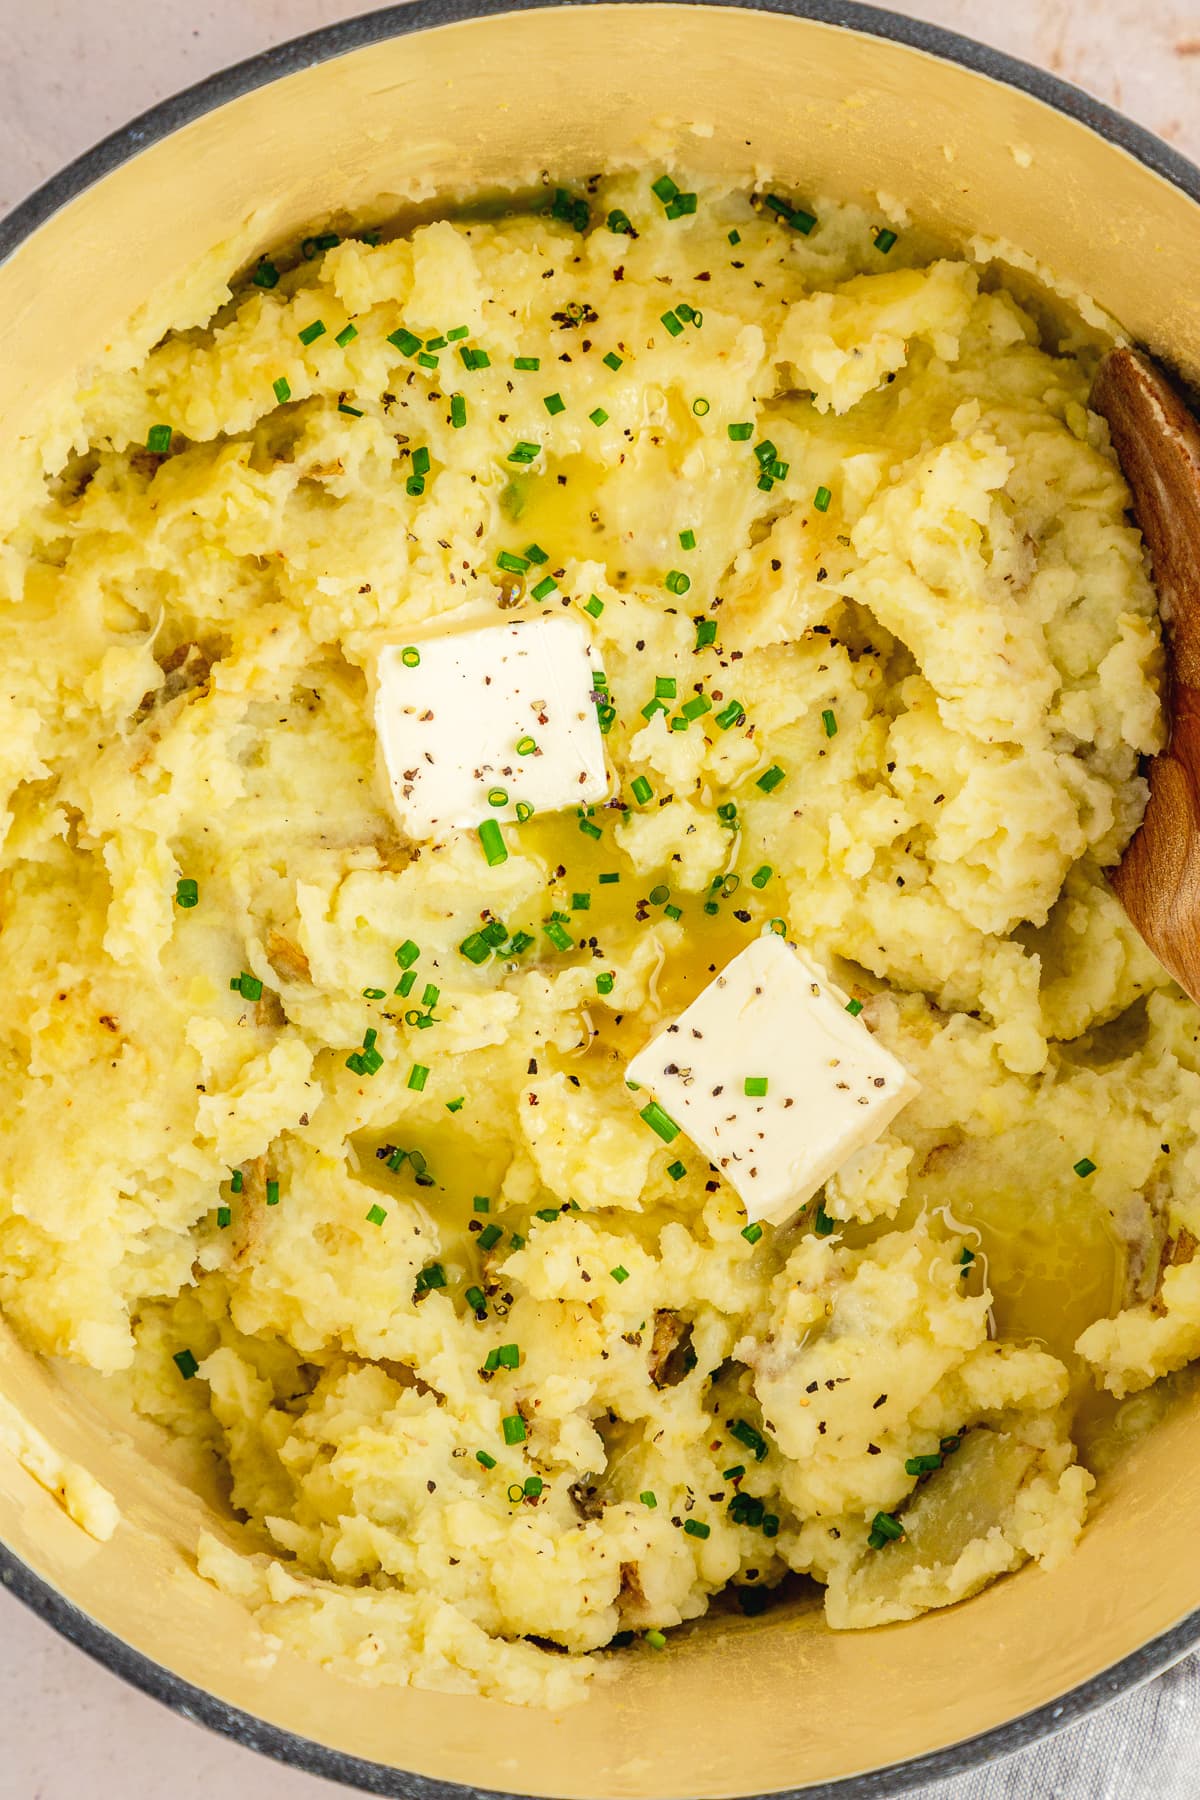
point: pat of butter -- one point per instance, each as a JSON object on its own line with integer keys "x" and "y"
{"x": 820, "y": 1085}
{"x": 504, "y": 708}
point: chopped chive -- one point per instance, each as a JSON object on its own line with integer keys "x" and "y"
{"x": 509, "y": 1355}
{"x": 733, "y": 714}
{"x": 695, "y": 1529}
{"x": 158, "y": 439}
{"x": 598, "y": 416}
{"x": 272, "y": 1193}
{"x": 741, "y": 432}
{"x": 266, "y": 275}
{"x": 665, "y": 687}
{"x": 765, "y": 453}
{"x": 224, "y": 1216}
{"x": 613, "y": 361}
{"x": 884, "y": 239}
{"x": 761, "y": 876}
{"x": 648, "y": 1498}
{"x": 526, "y": 746}
{"x": 497, "y": 796}
{"x": 427, "y": 361}
{"x": 679, "y": 724}
{"x": 665, "y": 188}
{"x": 491, "y": 1362}
{"x": 186, "y": 1363}
{"x": 659, "y": 1122}
{"x": 885, "y": 1528}
{"x": 375, "y": 1215}
{"x": 653, "y": 706}
{"x": 659, "y": 895}
{"x": 458, "y": 411}
{"x": 491, "y": 840}
{"x": 282, "y": 388}
{"x": 345, "y": 336}
{"x": 700, "y": 406}
{"x": 593, "y": 605}
{"x": 453, "y": 1106}
{"x": 355, "y": 412}
{"x": 404, "y": 986}
{"x": 415, "y": 485}
{"x": 482, "y": 1457}
{"x": 706, "y": 633}
{"x": 481, "y": 1203}
{"x": 677, "y": 1171}
{"x": 641, "y": 790}
{"x": 529, "y": 363}
{"x": 821, "y": 499}
{"x": 554, "y": 403}
{"x": 476, "y": 1299}
{"x": 854, "y": 1007}
{"x": 755, "y": 1087}
{"x": 511, "y": 563}
{"x": 187, "y": 892}
{"x": 524, "y": 452}
{"x": 752, "y": 1233}
{"x": 431, "y": 995}
{"x": 431, "y": 1276}
{"x": 696, "y": 707}
{"x": 589, "y": 829}
{"x": 533, "y": 1486}
{"x": 514, "y": 1429}
{"x": 459, "y": 331}
{"x": 408, "y": 953}
{"x": 312, "y": 332}
{"x": 558, "y": 935}
{"x": 474, "y": 359}
{"x": 823, "y": 1225}
{"x": 618, "y": 221}
{"x": 248, "y": 986}
{"x": 420, "y": 460}
{"x": 829, "y": 721}
{"x": 404, "y": 341}
{"x": 609, "y": 878}
{"x": 677, "y": 582}
{"x": 524, "y": 811}
{"x": 770, "y": 779}
{"x": 581, "y": 902}
{"x": 373, "y": 994}
{"x": 619, "y": 1274}
{"x": 548, "y": 1214}
{"x": 655, "y": 1638}
{"x": 687, "y": 540}
{"x": 237, "y": 1181}
{"x": 673, "y": 323}
{"x": 681, "y": 205}
{"x": 605, "y": 981}
{"x": 744, "y": 1432}
{"x": 436, "y": 343}
{"x": 418, "y": 1075}
{"x": 1085, "y": 1166}
{"x": 489, "y": 1237}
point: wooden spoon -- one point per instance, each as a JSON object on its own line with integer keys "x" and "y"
{"x": 1158, "y": 444}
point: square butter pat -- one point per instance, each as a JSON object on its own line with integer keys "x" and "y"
{"x": 830, "y": 1087}
{"x": 450, "y": 723}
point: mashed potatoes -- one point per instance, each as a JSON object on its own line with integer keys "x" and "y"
{"x": 488, "y": 1367}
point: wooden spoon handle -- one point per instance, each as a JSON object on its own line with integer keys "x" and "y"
{"x": 1158, "y": 443}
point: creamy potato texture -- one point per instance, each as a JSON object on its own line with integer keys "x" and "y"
{"x": 488, "y": 1367}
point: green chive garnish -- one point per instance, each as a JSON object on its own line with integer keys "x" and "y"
{"x": 673, "y": 323}
{"x": 884, "y": 239}
{"x": 648, "y": 1499}
{"x": 593, "y": 605}
{"x": 823, "y": 1225}
{"x": 272, "y": 1193}
{"x": 529, "y": 363}
{"x": 618, "y": 221}
{"x": 619, "y": 1274}
{"x": 665, "y": 188}
{"x": 266, "y": 275}
{"x": 706, "y": 633}
{"x": 489, "y": 1237}
{"x": 829, "y": 721}
{"x": 687, "y": 540}
{"x": 677, "y": 1171}
{"x": 312, "y": 332}
{"x": 854, "y": 1007}
{"x": 554, "y": 403}
{"x": 158, "y": 439}
{"x": 613, "y": 360}
{"x": 282, "y": 389}
{"x": 187, "y": 892}
{"x": 732, "y": 714}
{"x": 598, "y": 416}
{"x": 885, "y": 1528}
{"x": 1085, "y": 1166}
{"x": 345, "y": 336}
{"x": 376, "y": 1215}
{"x": 605, "y": 981}
{"x": 641, "y": 790}
{"x": 677, "y": 582}
{"x": 760, "y": 877}
{"x": 544, "y": 588}
{"x": 514, "y": 1429}
{"x": 491, "y": 840}
{"x": 657, "y": 1639}
{"x": 752, "y": 1233}
{"x": 700, "y": 406}
{"x": 224, "y": 1216}
{"x": 755, "y": 1087}
{"x": 695, "y": 1529}
{"x": 404, "y": 341}
{"x": 418, "y": 1075}
{"x": 482, "y": 1457}
{"x": 458, "y": 411}
{"x": 481, "y": 1203}
{"x": 660, "y": 1122}
{"x": 524, "y": 452}
{"x": 476, "y": 1299}
{"x": 186, "y": 1363}
{"x": 821, "y": 499}
{"x": 770, "y": 779}
{"x": 248, "y": 986}
{"x": 741, "y": 432}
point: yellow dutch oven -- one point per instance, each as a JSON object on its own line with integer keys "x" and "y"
{"x": 397, "y": 112}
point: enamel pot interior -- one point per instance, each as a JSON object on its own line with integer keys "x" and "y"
{"x": 414, "y": 110}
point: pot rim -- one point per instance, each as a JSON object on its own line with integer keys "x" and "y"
{"x": 119, "y": 147}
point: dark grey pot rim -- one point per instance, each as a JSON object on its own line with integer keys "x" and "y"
{"x": 159, "y": 122}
